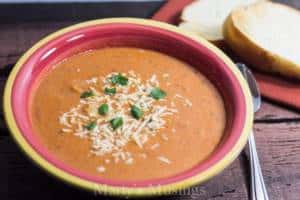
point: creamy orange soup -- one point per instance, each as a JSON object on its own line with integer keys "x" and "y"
{"x": 127, "y": 114}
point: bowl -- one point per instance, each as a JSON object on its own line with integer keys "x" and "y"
{"x": 205, "y": 57}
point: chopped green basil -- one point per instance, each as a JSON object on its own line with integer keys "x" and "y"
{"x": 114, "y": 79}
{"x": 103, "y": 109}
{"x": 110, "y": 91}
{"x": 157, "y": 93}
{"x": 136, "y": 112}
{"x": 91, "y": 126}
{"x": 116, "y": 122}
{"x": 119, "y": 79}
{"x": 86, "y": 94}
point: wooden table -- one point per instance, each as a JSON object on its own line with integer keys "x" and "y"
{"x": 277, "y": 132}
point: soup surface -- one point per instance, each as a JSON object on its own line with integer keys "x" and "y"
{"x": 127, "y": 114}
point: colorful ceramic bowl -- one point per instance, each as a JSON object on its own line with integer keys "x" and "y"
{"x": 137, "y": 33}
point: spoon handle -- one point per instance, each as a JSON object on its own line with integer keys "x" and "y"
{"x": 258, "y": 188}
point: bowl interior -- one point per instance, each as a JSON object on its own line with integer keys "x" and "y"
{"x": 132, "y": 35}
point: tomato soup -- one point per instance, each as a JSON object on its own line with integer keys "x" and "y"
{"x": 127, "y": 114}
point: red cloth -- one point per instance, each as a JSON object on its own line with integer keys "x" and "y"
{"x": 272, "y": 87}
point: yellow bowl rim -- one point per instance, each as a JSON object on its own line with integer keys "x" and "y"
{"x": 116, "y": 190}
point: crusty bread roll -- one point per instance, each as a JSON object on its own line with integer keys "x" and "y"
{"x": 206, "y": 17}
{"x": 267, "y": 36}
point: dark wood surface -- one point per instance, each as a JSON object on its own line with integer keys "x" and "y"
{"x": 277, "y": 132}
{"x": 75, "y": 11}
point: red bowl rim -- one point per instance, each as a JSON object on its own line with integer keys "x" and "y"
{"x": 201, "y": 173}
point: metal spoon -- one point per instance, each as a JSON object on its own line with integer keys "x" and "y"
{"x": 258, "y": 188}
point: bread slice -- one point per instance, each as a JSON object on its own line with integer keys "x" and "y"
{"x": 267, "y": 36}
{"x": 206, "y": 17}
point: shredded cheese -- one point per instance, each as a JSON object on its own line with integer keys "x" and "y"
{"x": 186, "y": 101}
{"x": 101, "y": 169}
{"x": 154, "y": 146}
{"x": 106, "y": 140}
{"x": 164, "y": 159}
